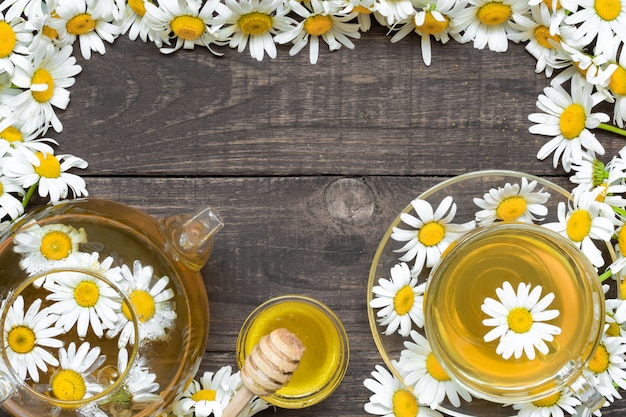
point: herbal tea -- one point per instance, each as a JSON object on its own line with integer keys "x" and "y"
{"x": 472, "y": 271}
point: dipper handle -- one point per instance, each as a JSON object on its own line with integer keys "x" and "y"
{"x": 267, "y": 369}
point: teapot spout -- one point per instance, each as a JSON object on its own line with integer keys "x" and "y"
{"x": 189, "y": 238}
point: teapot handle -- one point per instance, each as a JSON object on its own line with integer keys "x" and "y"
{"x": 189, "y": 238}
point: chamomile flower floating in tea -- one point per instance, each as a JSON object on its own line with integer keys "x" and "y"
{"x": 42, "y": 246}
{"x": 28, "y": 337}
{"x": 584, "y": 221}
{"x": 391, "y": 398}
{"x": 400, "y": 300}
{"x": 138, "y": 388}
{"x": 74, "y": 380}
{"x": 432, "y": 232}
{"x": 420, "y": 369}
{"x": 209, "y": 396}
{"x": 552, "y": 406}
{"x": 606, "y": 368}
{"x": 519, "y": 320}
{"x": 83, "y": 300}
{"x": 512, "y": 202}
{"x": 152, "y": 303}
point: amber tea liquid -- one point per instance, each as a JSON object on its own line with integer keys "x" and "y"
{"x": 472, "y": 271}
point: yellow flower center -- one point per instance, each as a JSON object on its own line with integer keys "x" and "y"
{"x": 86, "y": 294}
{"x": 434, "y": 369}
{"x": 188, "y": 27}
{"x": 318, "y": 25}
{"x": 68, "y": 385}
{"x": 549, "y": 4}
{"x": 548, "y": 401}
{"x": 8, "y": 39}
{"x": 49, "y": 166}
{"x": 11, "y": 134}
{"x": 432, "y": 26}
{"x": 80, "y": 24}
{"x": 511, "y": 208}
{"x": 137, "y": 6}
{"x": 49, "y": 32}
{"x": 599, "y": 362}
{"x": 519, "y": 320}
{"x": 361, "y": 9}
{"x": 403, "y": 301}
{"x": 572, "y": 121}
{"x": 56, "y": 245}
{"x": 613, "y": 330}
{"x": 578, "y": 225}
{"x": 621, "y": 240}
{"x": 255, "y": 23}
{"x": 542, "y": 35}
{"x": 404, "y": 404}
{"x": 602, "y": 194}
{"x": 494, "y": 13}
{"x": 1, "y": 189}
{"x": 617, "y": 84}
{"x": 143, "y": 303}
{"x": 204, "y": 395}
{"x": 21, "y": 339}
{"x": 607, "y": 9}
{"x": 42, "y": 76}
{"x": 431, "y": 233}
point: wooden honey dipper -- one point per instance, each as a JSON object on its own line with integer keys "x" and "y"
{"x": 267, "y": 369}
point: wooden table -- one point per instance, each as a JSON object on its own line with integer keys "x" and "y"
{"x": 307, "y": 164}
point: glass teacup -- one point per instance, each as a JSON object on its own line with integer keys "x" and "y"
{"x": 513, "y": 312}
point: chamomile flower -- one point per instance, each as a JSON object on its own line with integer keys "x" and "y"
{"x": 255, "y": 22}
{"x": 14, "y": 41}
{"x": 45, "y": 77}
{"x": 50, "y": 174}
{"x": 139, "y": 387}
{"x": 16, "y": 141}
{"x": 208, "y": 396}
{"x": 431, "y": 233}
{"x": 568, "y": 119}
{"x": 319, "y": 20}
{"x": 590, "y": 172}
{"x": 16, "y": 8}
{"x": 391, "y": 12}
{"x": 28, "y": 337}
{"x": 9, "y": 204}
{"x": 615, "y": 318}
{"x": 421, "y": 370}
{"x": 488, "y": 23}
{"x": 83, "y": 300}
{"x": 256, "y": 405}
{"x": 601, "y": 20}
{"x": 152, "y": 303}
{"x": 400, "y": 301}
{"x": 43, "y": 246}
{"x": 513, "y": 202}
{"x": 606, "y": 368}
{"x": 363, "y": 9}
{"x": 617, "y": 85}
{"x": 187, "y": 22}
{"x": 84, "y": 21}
{"x": 135, "y": 23}
{"x": 552, "y": 405}
{"x": 74, "y": 379}
{"x": 584, "y": 221}
{"x": 436, "y": 19}
{"x": 391, "y": 397}
{"x": 519, "y": 320}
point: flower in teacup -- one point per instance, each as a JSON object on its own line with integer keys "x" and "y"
{"x": 208, "y": 396}
{"x": 43, "y": 246}
{"x": 512, "y": 203}
{"x": 139, "y": 387}
{"x": 83, "y": 300}
{"x": 391, "y": 398}
{"x": 27, "y": 337}
{"x": 552, "y": 405}
{"x": 432, "y": 232}
{"x": 584, "y": 221}
{"x": 74, "y": 379}
{"x": 607, "y": 367}
{"x": 420, "y": 369}
{"x": 151, "y": 303}
{"x": 519, "y": 320}
{"x": 400, "y": 300}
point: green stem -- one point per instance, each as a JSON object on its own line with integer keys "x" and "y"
{"x": 605, "y": 275}
{"x": 29, "y": 194}
{"x": 613, "y": 129}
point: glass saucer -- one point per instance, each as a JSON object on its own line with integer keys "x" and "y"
{"x": 463, "y": 189}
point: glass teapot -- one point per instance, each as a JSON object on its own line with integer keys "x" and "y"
{"x": 103, "y": 309}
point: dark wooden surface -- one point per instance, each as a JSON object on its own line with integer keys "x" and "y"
{"x": 308, "y": 165}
